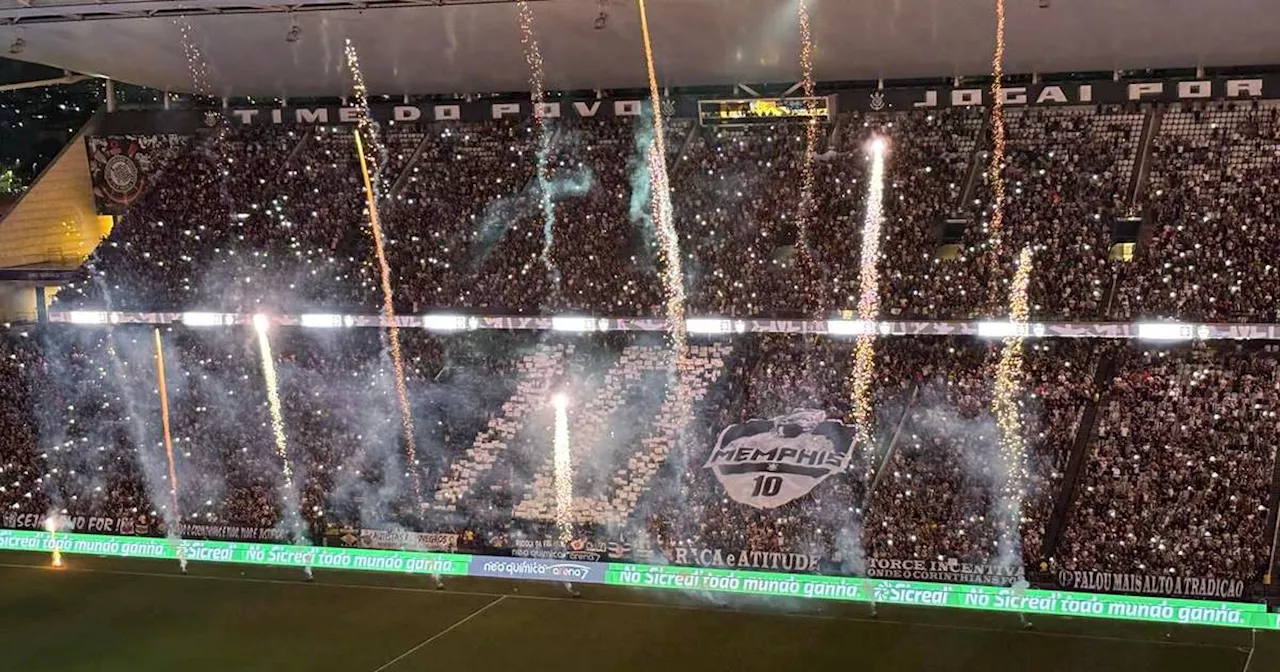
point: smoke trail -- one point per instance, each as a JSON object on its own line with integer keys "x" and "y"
{"x": 641, "y": 184}
{"x": 660, "y": 188}
{"x": 537, "y": 95}
{"x": 173, "y": 529}
{"x": 1006, "y": 404}
{"x": 563, "y": 470}
{"x": 500, "y": 213}
{"x": 152, "y": 473}
{"x": 289, "y": 497}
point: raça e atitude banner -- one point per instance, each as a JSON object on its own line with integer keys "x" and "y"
{"x": 1028, "y": 601}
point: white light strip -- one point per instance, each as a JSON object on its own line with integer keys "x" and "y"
{"x": 322, "y": 321}
{"x": 998, "y": 329}
{"x": 573, "y": 323}
{"x": 708, "y": 325}
{"x": 445, "y": 322}
{"x": 207, "y": 319}
{"x": 91, "y": 317}
{"x": 1164, "y": 331}
{"x": 852, "y": 327}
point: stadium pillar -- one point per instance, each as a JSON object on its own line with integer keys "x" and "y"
{"x": 166, "y": 99}
{"x": 111, "y": 96}
{"x": 42, "y": 306}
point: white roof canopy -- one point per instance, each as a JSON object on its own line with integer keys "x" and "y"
{"x": 437, "y": 46}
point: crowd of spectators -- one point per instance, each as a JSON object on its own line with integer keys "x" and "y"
{"x": 274, "y": 217}
{"x": 270, "y": 218}
{"x": 1211, "y": 207}
{"x": 1178, "y": 477}
{"x": 1180, "y": 474}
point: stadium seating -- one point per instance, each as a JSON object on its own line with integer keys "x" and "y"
{"x": 1137, "y": 459}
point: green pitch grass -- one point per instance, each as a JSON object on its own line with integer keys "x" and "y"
{"x": 110, "y": 615}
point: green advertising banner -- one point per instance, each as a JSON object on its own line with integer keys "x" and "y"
{"x": 987, "y": 598}
{"x": 1029, "y": 601}
{"x": 403, "y": 562}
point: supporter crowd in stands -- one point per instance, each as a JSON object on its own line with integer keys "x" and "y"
{"x": 1180, "y": 474}
{"x": 1179, "y": 463}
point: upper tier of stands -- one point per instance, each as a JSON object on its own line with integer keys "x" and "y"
{"x": 271, "y": 217}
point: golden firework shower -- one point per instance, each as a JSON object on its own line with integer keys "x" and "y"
{"x": 563, "y": 470}
{"x": 367, "y": 130}
{"x": 660, "y": 190}
{"x": 51, "y": 526}
{"x": 995, "y": 170}
{"x": 393, "y": 332}
{"x": 261, "y": 325}
{"x": 537, "y": 96}
{"x": 1006, "y": 405}
{"x": 365, "y": 125}
{"x": 168, "y": 444}
{"x": 807, "y": 204}
{"x": 868, "y": 300}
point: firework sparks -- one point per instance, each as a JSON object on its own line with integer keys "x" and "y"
{"x": 365, "y": 125}
{"x": 563, "y": 469}
{"x": 176, "y": 518}
{"x": 807, "y": 203}
{"x": 1006, "y": 407}
{"x": 367, "y": 131}
{"x": 262, "y": 325}
{"x": 195, "y": 59}
{"x": 51, "y": 526}
{"x": 660, "y": 188}
{"x": 393, "y": 332}
{"x": 869, "y": 299}
{"x": 995, "y": 170}
{"x": 537, "y": 96}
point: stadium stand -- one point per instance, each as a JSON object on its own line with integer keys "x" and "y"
{"x": 1138, "y": 459}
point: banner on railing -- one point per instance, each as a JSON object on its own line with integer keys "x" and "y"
{"x": 395, "y": 539}
{"x": 1151, "y": 584}
{"x": 950, "y": 570}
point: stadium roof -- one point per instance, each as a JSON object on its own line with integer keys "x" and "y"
{"x": 439, "y": 46}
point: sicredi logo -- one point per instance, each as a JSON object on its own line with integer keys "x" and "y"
{"x": 532, "y": 568}
{"x": 767, "y": 463}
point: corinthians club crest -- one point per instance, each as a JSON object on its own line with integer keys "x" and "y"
{"x": 877, "y": 100}
{"x": 767, "y": 463}
{"x": 117, "y": 170}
